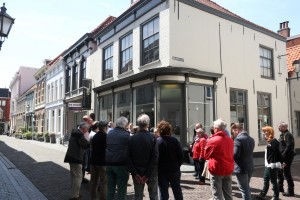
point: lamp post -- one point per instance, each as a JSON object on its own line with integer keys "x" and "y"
{"x": 296, "y": 64}
{"x": 6, "y": 23}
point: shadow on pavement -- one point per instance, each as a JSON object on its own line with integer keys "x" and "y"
{"x": 51, "y": 179}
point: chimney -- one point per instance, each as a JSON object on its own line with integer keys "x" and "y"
{"x": 284, "y": 29}
{"x": 131, "y": 2}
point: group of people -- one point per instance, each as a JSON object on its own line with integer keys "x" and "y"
{"x": 152, "y": 159}
{"x": 234, "y": 155}
{"x": 114, "y": 151}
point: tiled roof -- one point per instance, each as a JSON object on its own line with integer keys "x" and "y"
{"x": 293, "y": 53}
{"x": 104, "y": 24}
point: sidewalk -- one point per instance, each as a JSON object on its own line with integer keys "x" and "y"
{"x": 14, "y": 185}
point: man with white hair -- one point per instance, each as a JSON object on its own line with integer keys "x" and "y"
{"x": 116, "y": 158}
{"x": 219, "y": 153}
{"x": 143, "y": 158}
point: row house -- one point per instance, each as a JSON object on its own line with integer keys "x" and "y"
{"x": 293, "y": 59}
{"x": 20, "y": 83}
{"x": 30, "y": 107}
{"x": 40, "y": 97}
{"x": 187, "y": 62}
{"x": 75, "y": 58}
{"x": 4, "y": 109}
{"x": 55, "y": 93}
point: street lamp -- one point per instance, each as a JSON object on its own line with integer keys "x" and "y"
{"x": 6, "y": 23}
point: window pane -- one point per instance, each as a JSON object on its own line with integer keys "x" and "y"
{"x": 150, "y": 41}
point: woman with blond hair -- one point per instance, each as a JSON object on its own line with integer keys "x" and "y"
{"x": 273, "y": 162}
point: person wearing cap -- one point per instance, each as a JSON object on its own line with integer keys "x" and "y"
{"x": 97, "y": 160}
{"x": 116, "y": 158}
{"x": 143, "y": 160}
{"x": 74, "y": 156}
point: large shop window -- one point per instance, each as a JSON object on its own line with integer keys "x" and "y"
{"x": 126, "y": 53}
{"x": 200, "y": 108}
{"x": 171, "y": 107}
{"x": 108, "y": 62}
{"x": 238, "y": 107}
{"x": 106, "y": 108}
{"x": 266, "y": 62}
{"x": 150, "y": 43}
{"x": 123, "y": 102}
{"x": 263, "y": 112}
{"x": 144, "y": 102}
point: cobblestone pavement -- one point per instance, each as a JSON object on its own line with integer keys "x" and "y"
{"x": 42, "y": 163}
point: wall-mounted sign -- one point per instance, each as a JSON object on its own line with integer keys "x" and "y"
{"x": 74, "y": 105}
{"x": 178, "y": 59}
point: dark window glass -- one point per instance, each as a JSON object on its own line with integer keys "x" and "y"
{"x": 263, "y": 112}
{"x": 238, "y": 107}
{"x": 82, "y": 71}
{"x": 75, "y": 77}
{"x": 126, "y": 53}
{"x": 266, "y": 62}
{"x": 150, "y": 43}
{"x": 108, "y": 62}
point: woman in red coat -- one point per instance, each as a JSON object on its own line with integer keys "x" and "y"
{"x": 198, "y": 154}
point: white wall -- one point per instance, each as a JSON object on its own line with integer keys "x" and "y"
{"x": 195, "y": 38}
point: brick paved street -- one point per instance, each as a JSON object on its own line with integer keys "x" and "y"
{"x": 42, "y": 163}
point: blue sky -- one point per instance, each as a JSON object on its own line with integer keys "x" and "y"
{"x": 43, "y": 28}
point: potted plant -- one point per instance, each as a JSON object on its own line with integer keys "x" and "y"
{"x": 52, "y": 138}
{"x": 46, "y": 137}
{"x": 40, "y": 136}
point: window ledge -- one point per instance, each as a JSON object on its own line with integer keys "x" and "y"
{"x": 150, "y": 65}
{"x": 125, "y": 74}
{"x": 108, "y": 80}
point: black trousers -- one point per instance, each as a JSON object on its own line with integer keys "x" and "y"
{"x": 286, "y": 173}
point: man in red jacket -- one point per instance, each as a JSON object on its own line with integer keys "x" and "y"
{"x": 219, "y": 153}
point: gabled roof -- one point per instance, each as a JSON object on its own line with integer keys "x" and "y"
{"x": 206, "y": 3}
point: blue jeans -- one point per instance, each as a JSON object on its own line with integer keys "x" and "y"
{"x": 221, "y": 187}
{"x": 243, "y": 181}
{"x": 270, "y": 175}
{"x": 117, "y": 176}
{"x": 164, "y": 178}
{"x": 152, "y": 187}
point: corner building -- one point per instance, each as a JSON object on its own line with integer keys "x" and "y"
{"x": 187, "y": 62}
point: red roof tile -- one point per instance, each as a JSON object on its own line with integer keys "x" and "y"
{"x": 103, "y": 25}
{"x": 293, "y": 53}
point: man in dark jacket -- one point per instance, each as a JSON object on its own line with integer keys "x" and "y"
{"x": 97, "y": 160}
{"x": 287, "y": 145}
{"x": 243, "y": 159}
{"x": 143, "y": 157}
{"x": 74, "y": 156}
{"x": 116, "y": 158}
